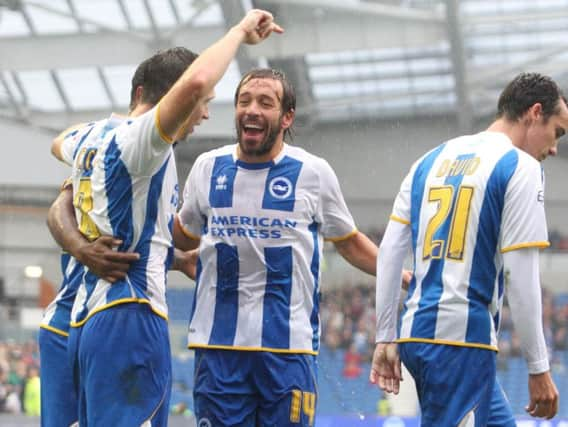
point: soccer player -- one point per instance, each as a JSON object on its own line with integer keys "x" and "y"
{"x": 471, "y": 210}
{"x": 125, "y": 185}
{"x": 58, "y": 393}
{"x": 259, "y": 211}
{"x": 57, "y": 376}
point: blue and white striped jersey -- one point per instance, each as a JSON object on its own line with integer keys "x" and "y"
{"x": 57, "y": 315}
{"x": 467, "y": 202}
{"x": 262, "y": 228}
{"x": 125, "y": 185}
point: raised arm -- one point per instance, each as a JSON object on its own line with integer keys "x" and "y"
{"x": 98, "y": 255}
{"x": 199, "y": 80}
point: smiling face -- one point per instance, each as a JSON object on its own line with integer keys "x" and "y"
{"x": 259, "y": 119}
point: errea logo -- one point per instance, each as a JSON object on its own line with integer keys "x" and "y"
{"x": 221, "y": 183}
{"x": 280, "y": 187}
{"x": 540, "y": 196}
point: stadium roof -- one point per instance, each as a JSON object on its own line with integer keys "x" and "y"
{"x": 67, "y": 60}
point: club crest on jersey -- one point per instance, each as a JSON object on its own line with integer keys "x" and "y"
{"x": 280, "y": 187}
{"x": 204, "y": 422}
{"x": 221, "y": 183}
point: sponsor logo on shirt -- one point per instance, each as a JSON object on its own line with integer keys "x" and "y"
{"x": 249, "y": 226}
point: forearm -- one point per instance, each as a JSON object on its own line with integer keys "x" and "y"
{"x": 360, "y": 252}
{"x": 198, "y": 81}
{"x": 390, "y": 260}
{"x": 181, "y": 240}
{"x": 179, "y": 258}
{"x": 62, "y": 223}
{"x": 524, "y": 295}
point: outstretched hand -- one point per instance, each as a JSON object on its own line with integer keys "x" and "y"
{"x": 385, "y": 368}
{"x": 258, "y": 25}
{"x": 104, "y": 261}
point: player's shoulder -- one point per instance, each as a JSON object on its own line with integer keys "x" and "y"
{"x": 97, "y": 130}
{"x": 309, "y": 160}
{"x": 209, "y": 157}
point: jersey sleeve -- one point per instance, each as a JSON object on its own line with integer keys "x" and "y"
{"x": 390, "y": 260}
{"x": 524, "y": 294}
{"x": 190, "y": 216}
{"x": 73, "y": 140}
{"x": 523, "y": 223}
{"x": 337, "y": 222}
{"x": 143, "y": 147}
{"x": 401, "y": 208}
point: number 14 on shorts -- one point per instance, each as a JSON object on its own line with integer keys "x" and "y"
{"x": 303, "y": 401}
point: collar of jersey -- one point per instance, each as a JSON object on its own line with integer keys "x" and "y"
{"x": 246, "y": 165}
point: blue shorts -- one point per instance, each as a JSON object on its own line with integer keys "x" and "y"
{"x": 123, "y": 366}
{"x": 58, "y": 394}
{"x": 500, "y": 412}
{"x": 254, "y": 388}
{"x": 456, "y": 383}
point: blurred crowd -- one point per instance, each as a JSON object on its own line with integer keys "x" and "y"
{"x": 19, "y": 377}
{"x": 348, "y": 323}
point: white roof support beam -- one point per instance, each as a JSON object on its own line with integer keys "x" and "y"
{"x": 11, "y": 98}
{"x": 220, "y": 125}
{"x": 361, "y": 8}
{"x": 538, "y": 61}
{"x": 60, "y": 90}
{"x": 104, "y": 49}
{"x": 464, "y": 108}
{"x": 125, "y": 15}
{"x": 308, "y": 30}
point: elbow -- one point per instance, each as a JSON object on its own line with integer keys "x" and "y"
{"x": 56, "y": 148}
{"x": 51, "y": 221}
{"x": 199, "y": 84}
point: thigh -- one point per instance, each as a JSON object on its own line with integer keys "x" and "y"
{"x": 287, "y": 385}
{"x": 500, "y": 412}
{"x": 223, "y": 393}
{"x": 454, "y": 383}
{"x": 125, "y": 367}
{"x": 58, "y": 393}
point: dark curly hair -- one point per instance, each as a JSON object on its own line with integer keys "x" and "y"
{"x": 158, "y": 74}
{"x": 524, "y": 91}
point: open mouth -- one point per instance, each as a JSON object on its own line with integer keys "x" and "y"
{"x": 252, "y": 130}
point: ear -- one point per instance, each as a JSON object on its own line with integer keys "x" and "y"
{"x": 288, "y": 119}
{"x": 535, "y": 111}
{"x": 138, "y": 94}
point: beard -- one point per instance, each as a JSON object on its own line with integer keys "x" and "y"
{"x": 266, "y": 144}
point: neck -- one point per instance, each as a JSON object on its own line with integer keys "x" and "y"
{"x": 516, "y": 131}
{"x": 140, "y": 109}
